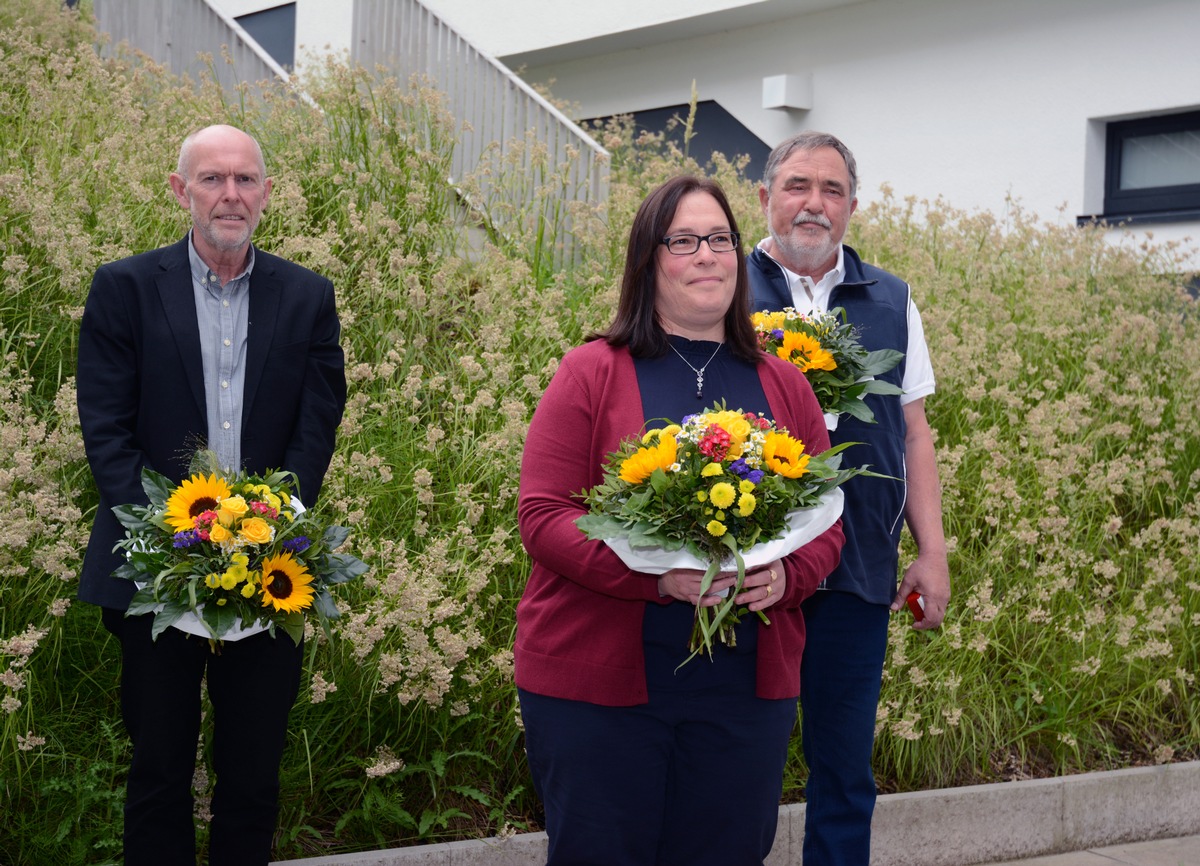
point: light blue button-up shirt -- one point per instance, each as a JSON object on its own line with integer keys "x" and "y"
{"x": 223, "y": 314}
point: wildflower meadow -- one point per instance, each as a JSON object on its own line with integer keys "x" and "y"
{"x": 1065, "y": 416}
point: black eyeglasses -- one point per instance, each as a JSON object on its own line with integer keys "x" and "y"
{"x": 685, "y": 245}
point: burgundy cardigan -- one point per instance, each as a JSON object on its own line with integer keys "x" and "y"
{"x": 579, "y": 622}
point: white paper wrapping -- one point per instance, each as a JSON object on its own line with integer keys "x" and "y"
{"x": 804, "y": 525}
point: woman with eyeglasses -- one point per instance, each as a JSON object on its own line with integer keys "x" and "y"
{"x": 636, "y": 759}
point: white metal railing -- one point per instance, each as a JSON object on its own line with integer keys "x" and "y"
{"x": 496, "y": 110}
{"x": 176, "y": 33}
{"x": 501, "y": 118}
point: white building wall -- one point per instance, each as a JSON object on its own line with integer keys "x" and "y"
{"x": 975, "y": 101}
{"x": 971, "y": 101}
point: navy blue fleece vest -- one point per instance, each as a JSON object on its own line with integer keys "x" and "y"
{"x": 877, "y": 303}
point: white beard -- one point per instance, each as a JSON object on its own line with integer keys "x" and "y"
{"x": 805, "y": 258}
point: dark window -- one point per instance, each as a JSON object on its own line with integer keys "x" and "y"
{"x": 1153, "y": 169}
{"x": 275, "y": 30}
{"x": 714, "y": 130}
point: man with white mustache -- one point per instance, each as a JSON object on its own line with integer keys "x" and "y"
{"x": 808, "y": 196}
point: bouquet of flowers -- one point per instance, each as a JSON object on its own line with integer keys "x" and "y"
{"x": 225, "y": 552}
{"x": 827, "y": 350}
{"x": 721, "y": 488}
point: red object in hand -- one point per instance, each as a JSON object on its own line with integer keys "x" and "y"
{"x": 917, "y": 605}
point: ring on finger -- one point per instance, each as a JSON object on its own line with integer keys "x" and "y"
{"x": 769, "y": 588}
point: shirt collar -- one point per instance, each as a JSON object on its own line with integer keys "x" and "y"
{"x": 816, "y": 290}
{"x": 203, "y": 275}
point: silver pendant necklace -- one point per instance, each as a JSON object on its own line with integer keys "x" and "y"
{"x": 699, "y": 373}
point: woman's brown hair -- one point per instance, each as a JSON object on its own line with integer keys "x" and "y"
{"x": 636, "y": 322}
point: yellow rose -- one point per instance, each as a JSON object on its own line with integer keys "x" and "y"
{"x": 769, "y": 321}
{"x": 218, "y": 534}
{"x": 256, "y": 531}
{"x": 230, "y": 509}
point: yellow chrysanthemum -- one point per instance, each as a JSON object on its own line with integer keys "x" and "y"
{"x": 712, "y": 469}
{"x": 212, "y": 580}
{"x": 715, "y": 528}
{"x": 192, "y": 498}
{"x": 248, "y": 589}
{"x": 746, "y": 504}
{"x": 805, "y": 352}
{"x": 701, "y": 495}
{"x": 286, "y": 583}
{"x": 784, "y": 455}
{"x": 641, "y": 464}
{"x": 746, "y": 486}
{"x": 234, "y": 575}
{"x": 722, "y": 494}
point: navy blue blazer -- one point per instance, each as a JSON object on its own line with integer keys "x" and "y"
{"x": 140, "y": 386}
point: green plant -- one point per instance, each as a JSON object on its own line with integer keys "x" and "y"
{"x": 1070, "y": 463}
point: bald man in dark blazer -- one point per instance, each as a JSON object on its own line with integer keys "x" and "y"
{"x": 209, "y": 342}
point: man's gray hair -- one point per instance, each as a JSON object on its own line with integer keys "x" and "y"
{"x": 805, "y": 141}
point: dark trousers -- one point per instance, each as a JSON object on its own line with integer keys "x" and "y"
{"x": 252, "y": 684}
{"x": 840, "y": 680}
{"x": 685, "y": 780}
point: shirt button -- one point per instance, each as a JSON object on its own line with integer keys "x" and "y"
{"x": 224, "y": 383}
{"x": 226, "y": 425}
{"x": 227, "y": 341}
{"x": 225, "y": 302}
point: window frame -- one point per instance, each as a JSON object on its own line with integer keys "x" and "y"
{"x": 1149, "y": 204}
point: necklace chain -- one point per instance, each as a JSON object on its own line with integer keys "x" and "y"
{"x": 700, "y": 372}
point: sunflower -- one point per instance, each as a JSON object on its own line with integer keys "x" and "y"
{"x": 641, "y": 464}
{"x": 805, "y": 352}
{"x": 192, "y": 498}
{"x": 286, "y": 583}
{"x": 784, "y": 455}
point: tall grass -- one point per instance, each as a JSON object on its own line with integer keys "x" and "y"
{"x": 1068, "y": 380}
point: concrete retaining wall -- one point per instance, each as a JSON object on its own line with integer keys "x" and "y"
{"x": 946, "y": 827}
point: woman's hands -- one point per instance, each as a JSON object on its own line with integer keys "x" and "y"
{"x": 763, "y": 587}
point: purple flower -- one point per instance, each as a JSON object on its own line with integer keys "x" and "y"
{"x": 741, "y": 470}
{"x": 299, "y": 544}
{"x": 186, "y": 538}
{"x": 777, "y": 334}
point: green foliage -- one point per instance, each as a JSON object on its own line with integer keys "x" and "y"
{"x": 1070, "y": 461}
